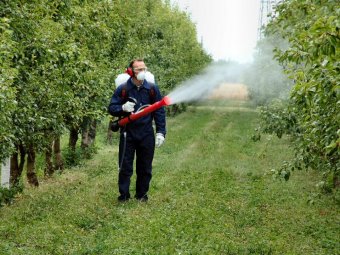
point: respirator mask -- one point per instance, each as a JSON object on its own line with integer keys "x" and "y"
{"x": 141, "y": 72}
{"x": 141, "y": 76}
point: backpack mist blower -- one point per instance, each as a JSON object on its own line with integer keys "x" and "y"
{"x": 140, "y": 113}
{"x": 134, "y": 116}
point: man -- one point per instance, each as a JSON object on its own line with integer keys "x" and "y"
{"x": 138, "y": 136}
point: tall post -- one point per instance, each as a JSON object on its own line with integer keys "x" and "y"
{"x": 5, "y": 173}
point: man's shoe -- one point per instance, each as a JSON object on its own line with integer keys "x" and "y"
{"x": 123, "y": 198}
{"x": 143, "y": 198}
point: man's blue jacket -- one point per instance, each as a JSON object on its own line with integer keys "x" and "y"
{"x": 141, "y": 127}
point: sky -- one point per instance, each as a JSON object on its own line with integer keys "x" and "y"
{"x": 227, "y": 28}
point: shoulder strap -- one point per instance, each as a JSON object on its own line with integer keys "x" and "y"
{"x": 152, "y": 93}
{"x": 124, "y": 94}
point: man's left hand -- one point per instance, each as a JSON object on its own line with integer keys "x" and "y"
{"x": 159, "y": 139}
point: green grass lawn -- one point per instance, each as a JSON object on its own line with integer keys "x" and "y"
{"x": 210, "y": 194}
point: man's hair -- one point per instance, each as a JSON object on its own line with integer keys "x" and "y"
{"x": 135, "y": 60}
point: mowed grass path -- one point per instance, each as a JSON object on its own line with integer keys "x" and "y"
{"x": 209, "y": 195}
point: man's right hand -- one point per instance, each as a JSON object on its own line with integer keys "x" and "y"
{"x": 128, "y": 107}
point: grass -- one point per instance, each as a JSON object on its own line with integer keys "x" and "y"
{"x": 210, "y": 194}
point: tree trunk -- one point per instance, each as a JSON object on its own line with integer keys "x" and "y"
{"x": 175, "y": 109}
{"x": 109, "y": 133}
{"x": 84, "y": 137}
{"x": 49, "y": 170}
{"x": 88, "y": 133}
{"x": 22, "y": 158}
{"x": 73, "y": 139}
{"x": 92, "y": 132}
{"x": 16, "y": 167}
{"x": 31, "y": 175}
{"x": 58, "y": 161}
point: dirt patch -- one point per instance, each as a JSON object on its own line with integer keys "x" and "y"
{"x": 230, "y": 91}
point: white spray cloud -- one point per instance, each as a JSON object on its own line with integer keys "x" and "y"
{"x": 200, "y": 86}
{"x": 265, "y": 77}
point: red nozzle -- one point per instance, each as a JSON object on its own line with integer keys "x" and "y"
{"x": 167, "y": 100}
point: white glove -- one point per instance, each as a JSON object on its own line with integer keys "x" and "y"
{"x": 159, "y": 139}
{"x": 128, "y": 107}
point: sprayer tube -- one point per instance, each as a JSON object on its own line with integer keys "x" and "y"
{"x": 145, "y": 111}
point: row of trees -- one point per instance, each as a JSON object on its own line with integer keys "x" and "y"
{"x": 311, "y": 59}
{"x": 58, "y": 61}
